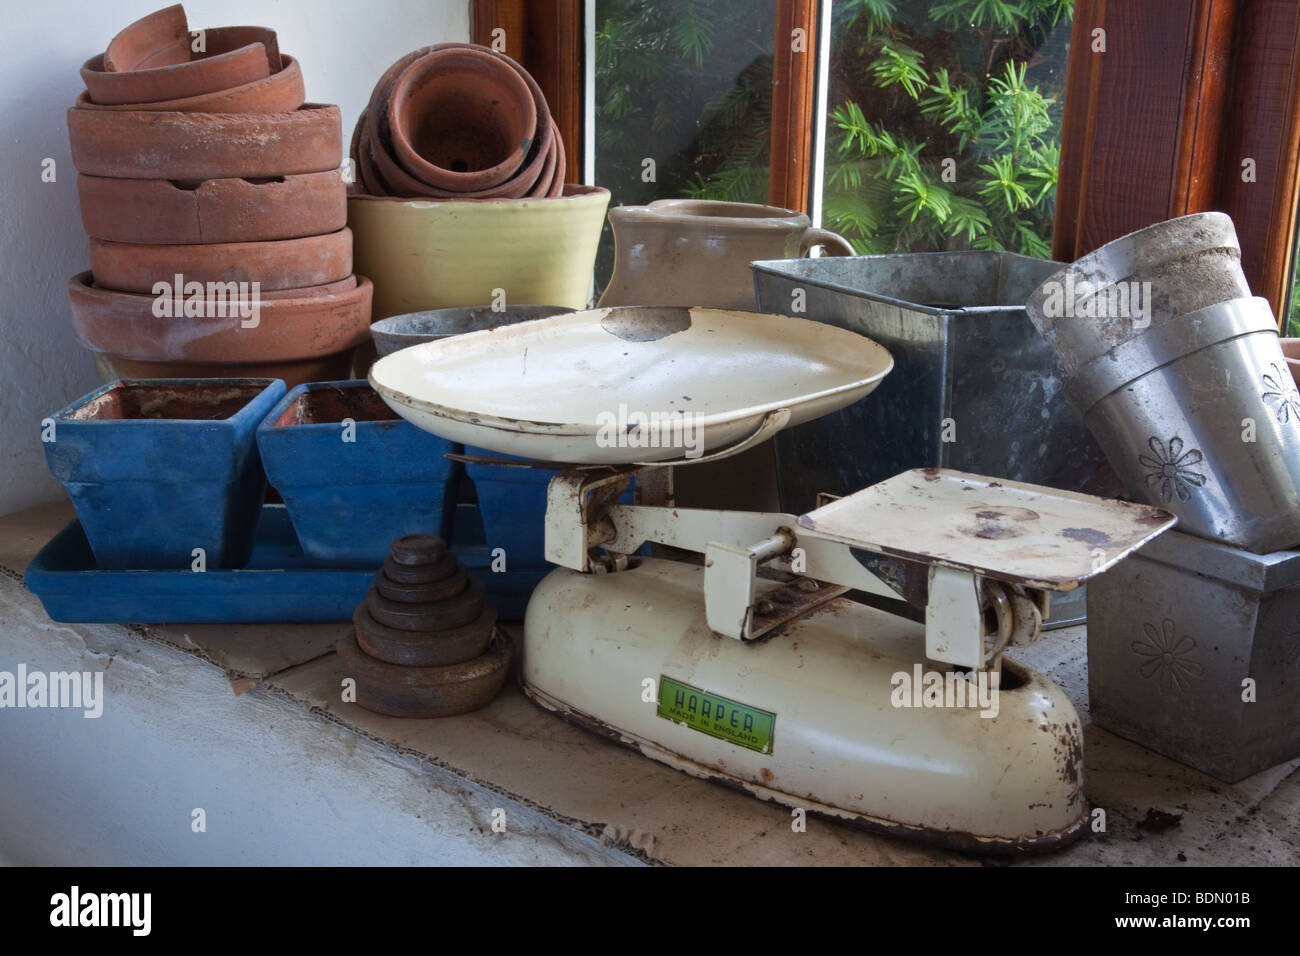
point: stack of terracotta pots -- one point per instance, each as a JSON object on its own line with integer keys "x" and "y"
{"x": 458, "y": 121}
{"x": 216, "y": 210}
{"x": 460, "y": 198}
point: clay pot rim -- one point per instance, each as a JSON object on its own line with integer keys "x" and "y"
{"x": 184, "y": 117}
{"x": 252, "y": 182}
{"x": 383, "y": 170}
{"x": 234, "y": 381}
{"x": 170, "y": 23}
{"x": 159, "y": 212}
{"x": 290, "y": 72}
{"x": 254, "y": 54}
{"x": 151, "y": 23}
{"x": 573, "y": 193}
{"x": 179, "y": 146}
{"x": 280, "y": 264}
{"x": 668, "y": 212}
{"x": 79, "y": 286}
{"x": 347, "y": 316}
{"x": 179, "y": 248}
{"x": 472, "y": 180}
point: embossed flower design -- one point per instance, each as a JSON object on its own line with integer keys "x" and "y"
{"x": 1171, "y": 468}
{"x": 1167, "y": 657}
{"x": 1279, "y": 389}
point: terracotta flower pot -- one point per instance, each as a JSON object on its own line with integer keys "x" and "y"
{"x": 234, "y": 56}
{"x": 434, "y": 254}
{"x": 461, "y": 119}
{"x": 379, "y": 172}
{"x": 281, "y": 92}
{"x": 217, "y": 210}
{"x": 284, "y": 264}
{"x": 163, "y": 39}
{"x": 159, "y": 39}
{"x": 139, "y": 144}
{"x": 310, "y": 324}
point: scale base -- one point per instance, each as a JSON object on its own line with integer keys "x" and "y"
{"x": 817, "y": 716}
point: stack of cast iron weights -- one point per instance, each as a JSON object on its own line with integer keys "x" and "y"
{"x": 424, "y": 641}
{"x": 201, "y": 172}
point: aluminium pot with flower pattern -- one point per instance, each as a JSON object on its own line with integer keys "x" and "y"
{"x": 1201, "y": 417}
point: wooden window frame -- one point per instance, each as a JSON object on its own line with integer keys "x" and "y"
{"x": 1156, "y": 126}
{"x": 1160, "y": 123}
{"x": 546, "y": 36}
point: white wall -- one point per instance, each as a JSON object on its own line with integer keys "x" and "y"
{"x": 343, "y": 46}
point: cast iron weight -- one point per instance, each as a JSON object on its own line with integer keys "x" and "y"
{"x": 424, "y": 641}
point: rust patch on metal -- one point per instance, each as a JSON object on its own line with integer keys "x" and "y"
{"x": 1089, "y": 536}
{"x": 956, "y": 840}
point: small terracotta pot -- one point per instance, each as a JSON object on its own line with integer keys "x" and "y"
{"x": 290, "y": 328}
{"x": 218, "y": 210}
{"x": 556, "y": 187}
{"x": 139, "y": 144}
{"x": 286, "y": 264}
{"x": 235, "y": 56}
{"x": 281, "y": 92}
{"x": 385, "y": 173}
{"x": 163, "y": 39}
{"x": 159, "y": 39}
{"x": 375, "y": 118}
{"x": 461, "y": 120}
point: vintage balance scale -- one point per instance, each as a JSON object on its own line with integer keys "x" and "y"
{"x": 733, "y": 653}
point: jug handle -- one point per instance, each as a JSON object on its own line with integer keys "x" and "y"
{"x": 832, "y": 242}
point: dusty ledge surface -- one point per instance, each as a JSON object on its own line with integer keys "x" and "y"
{"x": 654, "y": 814}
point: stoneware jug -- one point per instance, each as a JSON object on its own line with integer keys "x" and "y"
{"x": 696, "y": 252}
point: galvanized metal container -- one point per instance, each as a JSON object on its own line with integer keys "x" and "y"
{"x": 1194, "y": 652}
{"x": 974, "y": 386}
{"x": 968, "y": 366}
{"x": 1201, "y": 416}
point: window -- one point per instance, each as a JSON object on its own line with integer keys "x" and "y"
{"x": 1162, "y": 109}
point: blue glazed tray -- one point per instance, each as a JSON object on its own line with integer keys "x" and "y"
{"x": 277, "y": 585}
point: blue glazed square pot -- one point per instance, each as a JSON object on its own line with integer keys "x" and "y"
{"x": 353, "y": 475}
{"x": 159, "y": 467}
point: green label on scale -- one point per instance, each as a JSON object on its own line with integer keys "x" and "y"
{"x": 717, "y": 716}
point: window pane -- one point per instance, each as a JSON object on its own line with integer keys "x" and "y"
{"x": 944, "y": 123}
{"x": 683, "y": 102}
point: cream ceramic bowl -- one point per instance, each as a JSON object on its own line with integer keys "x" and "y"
{"x": 429, "y": 254}
{"x": 628, "y": 384}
